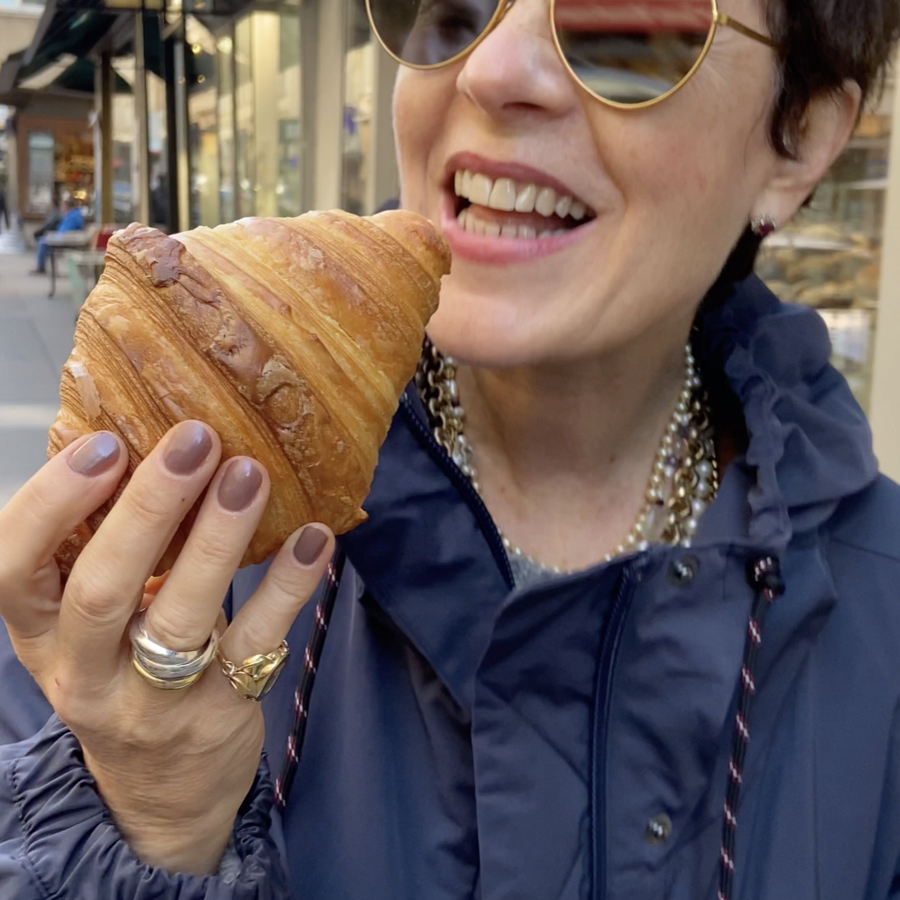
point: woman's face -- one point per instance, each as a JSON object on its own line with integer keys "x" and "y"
{"x": 667, "y": 191}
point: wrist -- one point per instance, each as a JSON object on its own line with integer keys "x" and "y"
{"x": 177, "y": 836}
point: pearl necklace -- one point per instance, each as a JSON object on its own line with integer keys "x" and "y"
{"x": 683, "y": 482}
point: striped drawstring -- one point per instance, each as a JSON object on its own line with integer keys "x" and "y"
{"x": 311, "y": 658}
{"x": 764, "y": 575}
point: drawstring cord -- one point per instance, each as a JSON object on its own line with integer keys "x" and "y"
{"x": 764, "y": 576}
{"x": 311, "y": 658}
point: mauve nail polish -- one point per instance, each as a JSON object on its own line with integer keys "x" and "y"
{"x": 239, "y": 485}
{"x": 96, "y": 456}
{"x": 310, "y": 545}
{"x": 189, "y": 445}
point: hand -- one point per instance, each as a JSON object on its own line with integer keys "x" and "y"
{"x": 172, "y": 766}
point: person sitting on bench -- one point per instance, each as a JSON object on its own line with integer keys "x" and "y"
{"x": 72, "y": 220}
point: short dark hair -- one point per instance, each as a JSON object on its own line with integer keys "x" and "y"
{"x": 821, "y": 44}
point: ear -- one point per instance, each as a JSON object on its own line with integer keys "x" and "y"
{"x": 827, "y": 126}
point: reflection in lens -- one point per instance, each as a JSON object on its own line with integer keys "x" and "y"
{"x": 430, "y": 32}
{"x": 632, "y": 51}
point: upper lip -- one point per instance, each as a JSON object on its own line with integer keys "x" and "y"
{"x": 518, "y": 172}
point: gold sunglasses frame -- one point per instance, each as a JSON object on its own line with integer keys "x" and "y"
{"x": 719, "y": 20}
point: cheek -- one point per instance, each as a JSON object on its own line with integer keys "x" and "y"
{"x": 691, "y": 164}
{"x": 421, "y": 102}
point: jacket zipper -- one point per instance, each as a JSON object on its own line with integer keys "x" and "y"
{"x": 608, "y": 653}
{"x": 462, "y": 484}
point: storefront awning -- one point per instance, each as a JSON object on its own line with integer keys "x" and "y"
{"x": 64, "y": 29}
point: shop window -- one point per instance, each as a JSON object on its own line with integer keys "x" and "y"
{"x": 245, "y": 145}
{"x": 268, "y": 125}
{"x": 829, "y": 257}
{"x": 359, "y": 78}
{"x": 41, "y": 164}
{"x": 125, "y": 151}
{"x": 203, "y": 126}
{"x": 158, "y": 147}
{"x": 227, "y": 162}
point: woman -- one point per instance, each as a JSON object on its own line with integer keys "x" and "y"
{"x": 481, "y": 725}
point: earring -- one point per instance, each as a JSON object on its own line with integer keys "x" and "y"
{"x": 763, "y": 226}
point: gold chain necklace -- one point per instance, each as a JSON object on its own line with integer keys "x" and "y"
{"x": 685, "y": 476}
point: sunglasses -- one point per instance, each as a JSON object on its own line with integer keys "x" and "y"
{"x": 626, "y": 53}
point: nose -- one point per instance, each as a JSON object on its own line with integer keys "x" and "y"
{"x": 516, "y": 69}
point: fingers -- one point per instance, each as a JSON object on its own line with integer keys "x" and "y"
{"x": 185, "y": 611}
{"x": 43, "y": 513}
{"x": 107, "y": 580}
{"x": 292, "y": 579}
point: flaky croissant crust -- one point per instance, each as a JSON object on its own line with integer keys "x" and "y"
{"x": 292, "y": 338}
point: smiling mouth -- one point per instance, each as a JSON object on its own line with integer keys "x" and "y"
{"x": 503, "y": 207}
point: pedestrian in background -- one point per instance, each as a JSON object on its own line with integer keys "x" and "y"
{"x": 71, "y": 218}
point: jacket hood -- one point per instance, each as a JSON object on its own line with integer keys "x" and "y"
{"x": 810, "y": 445}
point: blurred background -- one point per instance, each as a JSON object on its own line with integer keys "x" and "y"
{"x": 181, "y": 113}
{"x": 193, "y": 112}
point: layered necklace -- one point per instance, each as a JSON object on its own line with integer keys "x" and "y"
{"x": 682, "y": 484}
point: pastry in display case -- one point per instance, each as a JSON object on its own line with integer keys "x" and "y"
{"x": 829, "y": 256}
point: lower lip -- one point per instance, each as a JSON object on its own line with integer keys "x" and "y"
{"x": 482, "y": 248}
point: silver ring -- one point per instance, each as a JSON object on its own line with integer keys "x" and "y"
{"x": 168, "y": 669}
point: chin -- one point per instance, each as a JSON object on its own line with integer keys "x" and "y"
{"x": 494, "y": 331}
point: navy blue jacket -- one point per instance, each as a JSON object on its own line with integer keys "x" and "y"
{"x": 470, "y": 740}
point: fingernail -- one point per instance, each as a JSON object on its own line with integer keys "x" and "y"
{"x": 239, "y": 485}
{"x": 310, "y": 545}
{"x": 189, "y": 445}
{"x": 96, "y": 456}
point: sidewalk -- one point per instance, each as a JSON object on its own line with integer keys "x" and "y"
{"x": 35, "y": 339}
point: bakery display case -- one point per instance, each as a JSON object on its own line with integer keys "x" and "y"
{"x": 829, "y": 256}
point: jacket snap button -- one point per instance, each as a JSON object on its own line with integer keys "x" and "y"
{"x": 659, "y": 829}
{"x": 682, "y": 571}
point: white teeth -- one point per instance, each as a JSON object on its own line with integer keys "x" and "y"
{"x": 503, "y": 195}
{"x": 474, "y": 225}
{"x": 546, "y": 202}
{"x": 480, "y": 190}
{"x": 525, "y": 199}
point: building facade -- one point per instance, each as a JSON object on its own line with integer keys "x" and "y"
{"x": 204, "y": 112}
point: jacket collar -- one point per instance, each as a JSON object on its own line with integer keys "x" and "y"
{"x": 809, "y": 446}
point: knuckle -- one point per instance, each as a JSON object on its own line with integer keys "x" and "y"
{"x": 87, "y": 598}
{"x": 151, "y": 508}
{"x": 216, "y": 550}
{"x": 174, "y": 626}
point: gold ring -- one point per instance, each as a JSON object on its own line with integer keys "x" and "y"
{"x": 166, "y": 684}
{"x": 256, "y": 675}
{"x": 168, "y": 670}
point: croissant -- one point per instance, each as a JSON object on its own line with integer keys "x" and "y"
{"x": 292, "y": 338}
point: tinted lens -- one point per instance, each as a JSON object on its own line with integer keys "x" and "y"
{"x": 430, "y": 32}
{"x": 632, "y": 51}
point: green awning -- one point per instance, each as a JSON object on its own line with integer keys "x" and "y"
{"x": 64, "y": 31}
